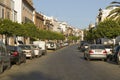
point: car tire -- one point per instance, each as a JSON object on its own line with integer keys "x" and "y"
{"x": 85, "y": 57}
{"x": 9, "y": 66}
{"x": 24, "y": 60}
{"x": 105, "y": 60}
{"x": 88, "y": 59}
{"x": 1, "y": 68}
{"x": 18, "y": 62}
{"x": 118, "y": 61}
{"x": 31, "y": 58}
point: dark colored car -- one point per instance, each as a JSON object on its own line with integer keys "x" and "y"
{"x": 82, "y": 45}
{"x": 4, "y": 58}
{"x": 17, "y": 56}
{"x": 115, "y": 55}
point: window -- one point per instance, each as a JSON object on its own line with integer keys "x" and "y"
{"x": 8, "y": 15}
{"x": 2, "y": 13}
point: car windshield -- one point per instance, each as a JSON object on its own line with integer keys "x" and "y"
{"x": 25, "y": 47}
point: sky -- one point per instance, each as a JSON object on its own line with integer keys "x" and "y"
{"x": 77, "y": 13}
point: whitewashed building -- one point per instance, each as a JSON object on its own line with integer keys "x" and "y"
{"x": 24, "y": 10}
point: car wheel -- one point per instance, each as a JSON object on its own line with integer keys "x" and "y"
{"x": 118, "y": 61}
{"x": 1, "y": 68}
{"x": 31, "y": 58}
{"x": 88, "y": 59}
{"x": 18, "y": 63}
{"x": 85, "y": 57}
{"x": 24, "y": 60}
{"x": 105, "y": 60}
{"x": 9, "y": 65}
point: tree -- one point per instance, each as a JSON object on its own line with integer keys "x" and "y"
{"x": 6, "y": 28}
{"x": 108, "y": 28}
{"x": 115, "y": 13}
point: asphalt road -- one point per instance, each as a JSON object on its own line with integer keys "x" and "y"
{"x": 64, "y": 64}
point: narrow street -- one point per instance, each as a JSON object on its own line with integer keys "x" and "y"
{"x": 64, "y": 64}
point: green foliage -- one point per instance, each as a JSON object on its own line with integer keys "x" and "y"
{"x": 6, "y": 27}
{"x": 10, "y": 28}
{"x": 73, "y": 38}
{"x": 115, "y": 13}
{"x": 108, "y": 28}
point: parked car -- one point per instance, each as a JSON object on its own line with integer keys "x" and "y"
{"x": 84, "y": 46}
{"x": 51, "y": 45}
{"x": 16, "y": 54}
{"x": 81, "y": 44}
{"x": 37, "y": 51}
{"x": 58, "y": 45}
{"x": 4, "y": 58}
{"x": 28, "y": 51}
{"x": 109, "y": 50}
{"x": 41, "y": 45}
{"x": 115, "y": 56}
{"x": 95, "y": 51}
{"x": 66, "y": 44}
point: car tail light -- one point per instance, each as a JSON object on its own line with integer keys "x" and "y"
{"x": 119, "y": 53}
{"x": 105, "y": 52}
{"x": 90, "y": 52}
{"x": 15, "y": 53}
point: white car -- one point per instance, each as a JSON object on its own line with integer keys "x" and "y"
{"x": 37, "y": 51}
{"x": 28, "y": 50}
{"x": 51, "y": 45}
{"x": 41, "y": 45}
{"x": 108, "y": 48}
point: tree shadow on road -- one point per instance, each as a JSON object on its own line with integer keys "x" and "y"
{"x": 30, "y": 76}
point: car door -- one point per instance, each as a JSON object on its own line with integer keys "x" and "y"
{"x": 6, "y": 56}
{"x": 21, "y": 54}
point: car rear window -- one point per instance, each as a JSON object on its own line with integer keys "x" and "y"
{"x": 11, "y": 48}
{"x": 25, "y": 47}
{"x": 97, "y": 47}
{"x": 107, "y": 46}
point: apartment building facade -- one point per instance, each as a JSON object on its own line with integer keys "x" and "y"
{"x": 38, "y": 20}
{"x": 25, "y": 10}
{"x": 7, "y": 10}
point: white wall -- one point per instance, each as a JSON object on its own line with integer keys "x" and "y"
{"x": 18, "y": 8}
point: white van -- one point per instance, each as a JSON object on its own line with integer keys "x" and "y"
{"x": 41, "y": 45}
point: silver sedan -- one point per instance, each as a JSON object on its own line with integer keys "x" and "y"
{"x": 95, "y": 51}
